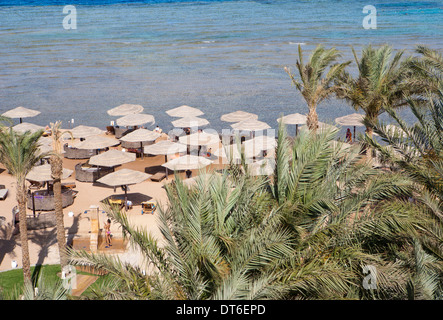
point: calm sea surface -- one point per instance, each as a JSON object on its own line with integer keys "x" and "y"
{"x": 219, "y": 56}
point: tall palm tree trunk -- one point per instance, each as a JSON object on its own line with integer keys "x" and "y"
{"x": 19, "y": 153}
{"x": 370, "y": 153}
{"x": 56, "y": 171}
{"x": 26, "y": 262}
{"x": 312, "y": 119}
{"x": 369, "y": 131}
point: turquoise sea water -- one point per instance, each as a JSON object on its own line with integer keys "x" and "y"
{"x": 219, "y": 56}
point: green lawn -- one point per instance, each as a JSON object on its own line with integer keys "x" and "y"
{"x": 11, "y": 282}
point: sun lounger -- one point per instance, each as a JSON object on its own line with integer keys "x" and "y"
{"x": 35, "y": 184}
{"x": 137, "y": 151}
{"x": 118, "y": 202}
{"x": 3, "y": 194}
{"x": 159, "y": 176}
{"x": 70, "y": 185}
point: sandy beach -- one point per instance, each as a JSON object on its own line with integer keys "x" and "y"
{"x": 42, "y": 243}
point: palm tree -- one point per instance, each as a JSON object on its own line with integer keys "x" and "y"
{"x": 56, "y": 161}
{"x": 417, "y": 151}
{"x": 427, "y": 69}
{"x": 426, "y": 281}
{"x": 221, "y": 241}
{"x": 19, "y": 152}
{"x": 316, "y": 82}
{"x": 344, "y": 215}
{"x": 306, "y": 232}
{"x": 381, "y": 82}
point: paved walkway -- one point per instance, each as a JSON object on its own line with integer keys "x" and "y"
{"x": 83, "y": 281}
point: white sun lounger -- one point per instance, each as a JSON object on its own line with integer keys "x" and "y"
{"x": 3, "y": 194}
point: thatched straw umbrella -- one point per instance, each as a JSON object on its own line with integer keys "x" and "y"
{"x": 250, "y": 125}
{"x": 125, "y": 109}
{"x": 46, "y": 145}
{"x": 141, "y": 135}
{"x": 43, "y": 173}
{"x": 96, "y": 142}
{"x": 354, "y": 119}
{"x": 200, "y": 138}
{"x": 25, "y": 126}
{"x": 112, "y": 158}
{"x": 238, "y": 116}
{"x": 190, "y": 122}
{"x": 258, "y": 144}
{"x": 132, "y": 120}
{"x": 295, "y": 118}
{"x": 184, "y": 111}
{"x": 85, "y": 131}
{"x": 187, "y": 162}
{"x": 123, "y": 178}
{"x": 165, "y": 147}
{"x": 20, "y": 112}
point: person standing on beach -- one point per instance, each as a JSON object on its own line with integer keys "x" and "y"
{"x": 348, "y": 135}
{"x": 108, "y": 233}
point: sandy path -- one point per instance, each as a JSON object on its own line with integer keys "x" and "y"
{"x": 43, "y": 246}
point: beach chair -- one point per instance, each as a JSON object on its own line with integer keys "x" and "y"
{"x": 148, "y": 207}
{"x": 159, "y": 176}
{"x": 138, "y": 151}
{"x": 119, "y": 202}
{"x": 35, "y": 184}
{"x": 70, "y": 185}
{"x": 3, "y": 192}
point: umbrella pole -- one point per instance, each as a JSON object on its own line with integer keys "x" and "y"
{"x": 296, "y": 129}
{"x": 141, "y": 149}
{"x": 166, "y": 169}
{"x": 126, "y": 198}
{"x": 354, "y": 133}
{"x": 33, "y": 203}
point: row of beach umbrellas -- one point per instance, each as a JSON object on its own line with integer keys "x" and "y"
{"x": 189, "y": 117}
{"x": 131, "y": 115}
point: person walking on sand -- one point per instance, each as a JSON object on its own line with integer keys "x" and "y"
{"x": 108, "y": 233}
